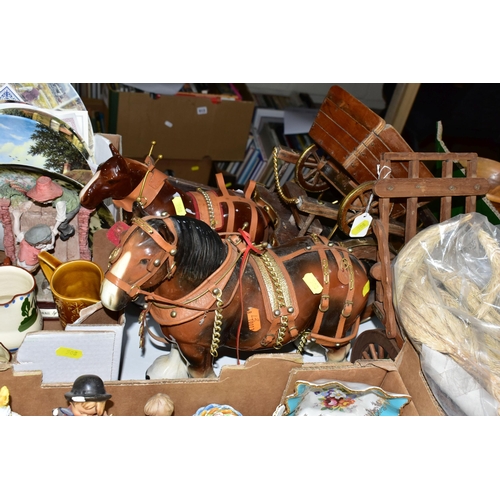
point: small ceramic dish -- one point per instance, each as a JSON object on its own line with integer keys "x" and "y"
{"x": 215, "y": 410}
{"x": 329, "y": 398}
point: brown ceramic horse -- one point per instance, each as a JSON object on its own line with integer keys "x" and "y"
{"x": 125, "y": 181}
{"x": 206, "y": 291}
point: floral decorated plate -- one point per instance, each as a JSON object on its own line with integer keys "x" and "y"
{"x": 329, "y": 398}
{"x": 215, "y": 410}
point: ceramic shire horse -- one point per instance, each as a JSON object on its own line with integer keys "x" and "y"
{"x": 206, "y": 291}
{"x": 125, "y": 181}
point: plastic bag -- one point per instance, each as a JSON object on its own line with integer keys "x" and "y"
{"x": 447, "y": 298}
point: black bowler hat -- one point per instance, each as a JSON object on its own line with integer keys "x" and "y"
{"x": 87, "y": 388}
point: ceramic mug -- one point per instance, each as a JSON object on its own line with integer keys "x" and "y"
{"x": 75, "y": 285}
{"x": 19, "y": 313}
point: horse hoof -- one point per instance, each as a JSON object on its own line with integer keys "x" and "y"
{"x": 168, "y": 366}
{"x": 338, "y": 355}
{"x": 208, "y": 374}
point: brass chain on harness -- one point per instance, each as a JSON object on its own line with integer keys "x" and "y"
{"x": 304, "y": 337}
{"x": 280, "y": 298}
{"x": 210, "y": 207}
{"x": 217, "y": 293}
{"x": 281, "y": 194}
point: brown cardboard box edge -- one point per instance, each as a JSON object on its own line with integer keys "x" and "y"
{"x": 183, "y": 127}
{"x": 255, "y": 388}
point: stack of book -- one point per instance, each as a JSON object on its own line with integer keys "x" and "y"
{"x": 267, "y": 132}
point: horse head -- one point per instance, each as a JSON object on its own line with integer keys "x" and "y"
{"x": 155, "y": 249}
{"x": 143, "y": 259}
{"x": 115, "y": 178}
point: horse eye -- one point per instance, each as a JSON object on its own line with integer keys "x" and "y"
{"x": 144, "y": 262}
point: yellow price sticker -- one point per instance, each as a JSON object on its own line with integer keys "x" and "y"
{"x": 194, "y": 168}
{"x": 67, "y": 352}
{"x": 366, "y": 288}
{"x": 312, "y": 282}
{"x": 179, "y": 207}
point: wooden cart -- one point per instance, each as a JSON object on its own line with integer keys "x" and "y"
{"x": 386, "y": 343}
{"x": 349, "y": 140}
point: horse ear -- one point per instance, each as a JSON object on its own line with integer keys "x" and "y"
{"x": 114, "y": 151}
{"x": 138, "y": 210}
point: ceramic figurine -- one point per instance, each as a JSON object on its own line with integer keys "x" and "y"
{"x": 45, "y": 190}
{"x": 65, "y": 201}
{"x": 125, "y": 181}
{"x": 159, "y": 405}
{"x": 206, "y": 291}
{"x": 27, "y": 200}
{"x": 87, "y": 398}
{"x": 36, "y": 238}
{"x": 5, "y": 410}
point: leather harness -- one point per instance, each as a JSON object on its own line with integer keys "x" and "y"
{"x": 180, "y": 314}
{"x": 207, "y": 204}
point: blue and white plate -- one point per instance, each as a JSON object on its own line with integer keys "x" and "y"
{"x": 332, "y": 398}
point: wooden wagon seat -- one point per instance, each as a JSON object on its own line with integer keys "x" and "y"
{"x": 356, "y": 137}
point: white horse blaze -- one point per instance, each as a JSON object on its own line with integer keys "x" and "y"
{"x": 89, "y": 183}
{"x": 111, "y": 295}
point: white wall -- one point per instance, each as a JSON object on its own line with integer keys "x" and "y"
{"x": 369, "y": 94}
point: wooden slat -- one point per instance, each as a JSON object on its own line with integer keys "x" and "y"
{"x": 406, "y": 156}
{"x": 330, "y": 145}
{"x": 456, "y": 186}
{"x": 393, "y": 142}
{"x": 355, "y": 108}
{"x": 336, "y": 120}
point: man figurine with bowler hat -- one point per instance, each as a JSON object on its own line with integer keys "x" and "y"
{"x": 87, "y": 398}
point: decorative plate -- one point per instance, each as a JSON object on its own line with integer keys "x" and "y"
{"x": 34, "y": 138}
{"x": 215, "y": 410}
{"x": 59, "y": 97}
{"x": 332, "y": 398}
{"x": 43, "y": 95}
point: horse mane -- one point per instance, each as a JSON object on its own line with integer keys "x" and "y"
{"x": 200, "y": 250}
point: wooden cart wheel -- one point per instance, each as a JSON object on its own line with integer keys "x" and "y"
{"x": 355, "y": 204}
{"x": 308, "y": 171}
{"x": 374, "y": 344}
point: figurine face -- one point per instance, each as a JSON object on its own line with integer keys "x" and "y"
{"x": 88, "y": 408}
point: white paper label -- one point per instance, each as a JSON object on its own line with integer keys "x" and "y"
{"x": 360, "y": 225}
{"x": 202, "y": 110}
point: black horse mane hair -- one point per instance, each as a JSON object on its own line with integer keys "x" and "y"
{"x": 200, "y": 250}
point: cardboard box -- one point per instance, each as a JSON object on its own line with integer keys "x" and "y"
{"x": 94, "y": 346}
{"x": 255, "y": 388}
{"x": 190, "y": 170}
{"x": 62, "y": 355}
{"x": 114, "y": 139}
{"x": 184, "y": 127}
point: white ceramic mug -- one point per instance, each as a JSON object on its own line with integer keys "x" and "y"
{"x": 19, "y": 313}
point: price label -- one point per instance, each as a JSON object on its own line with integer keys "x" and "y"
{"x": 361, "y": 225}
